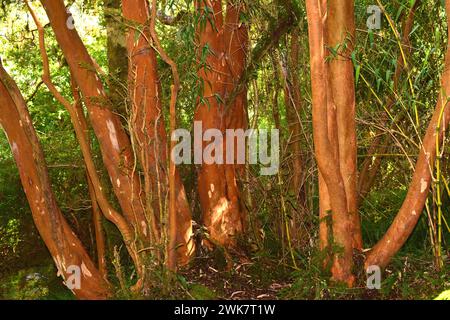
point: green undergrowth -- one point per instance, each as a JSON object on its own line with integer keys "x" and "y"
{"x": 37, "y": 283}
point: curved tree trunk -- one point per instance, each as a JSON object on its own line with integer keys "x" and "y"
{"x": 64, "y": 246}
{"x": 413, "y": 205}
{"x": 114, "y": 142}
{"x": 96, "y": 210}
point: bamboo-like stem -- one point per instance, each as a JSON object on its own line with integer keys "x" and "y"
{"x": 370, "y": 168}
{"x": 439, "y": 260}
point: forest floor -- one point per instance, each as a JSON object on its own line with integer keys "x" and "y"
{"x": 260, "y": 277}
{"x": 244, "y": 280}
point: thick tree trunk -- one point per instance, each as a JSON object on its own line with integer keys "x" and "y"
{"x": 236, "y": 51}
{"x": 149, "y": 127}
{"x": 64, "y": 246}
{"x": 325, "y": 209}
{"x": 113, "y": 140}
{"x": 340, "y": 35}
{"x": 413, "y": 205}
{"x": 217, "y": 183}
{"x": 324, "y": 126}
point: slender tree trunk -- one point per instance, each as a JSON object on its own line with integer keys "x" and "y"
{"x": 293, "y": 110}
{"x": 96, "y": 211}
{"x": 98, "y": 229}
{"x": 180, "y": 227}
{"x": 413, "y": 205}
{"x": 64, "y": 246}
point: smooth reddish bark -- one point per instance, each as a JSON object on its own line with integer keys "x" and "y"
{"x": 236, "y": 51}
{"x": 149, "y": 126}
{"x": 114, "y": 142}
{"x": 64, "y": 246}
{"x": 226, "y": 38}
{"x": 327, "y": 160}
{"x": 340, "y": 35}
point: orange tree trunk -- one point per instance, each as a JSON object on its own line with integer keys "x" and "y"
{"x": 113, "y": 140}
{"x": 225, "y": 39}
{"x": 236, "y": 51}
{"x": 325, "y": 127}
{"x": 325, "y": 209}
{"x": 64, "y": 246}
{"x": 149, "y": 125}
{"x": 340, "y": 35}
{"x": 413, "y": 205}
